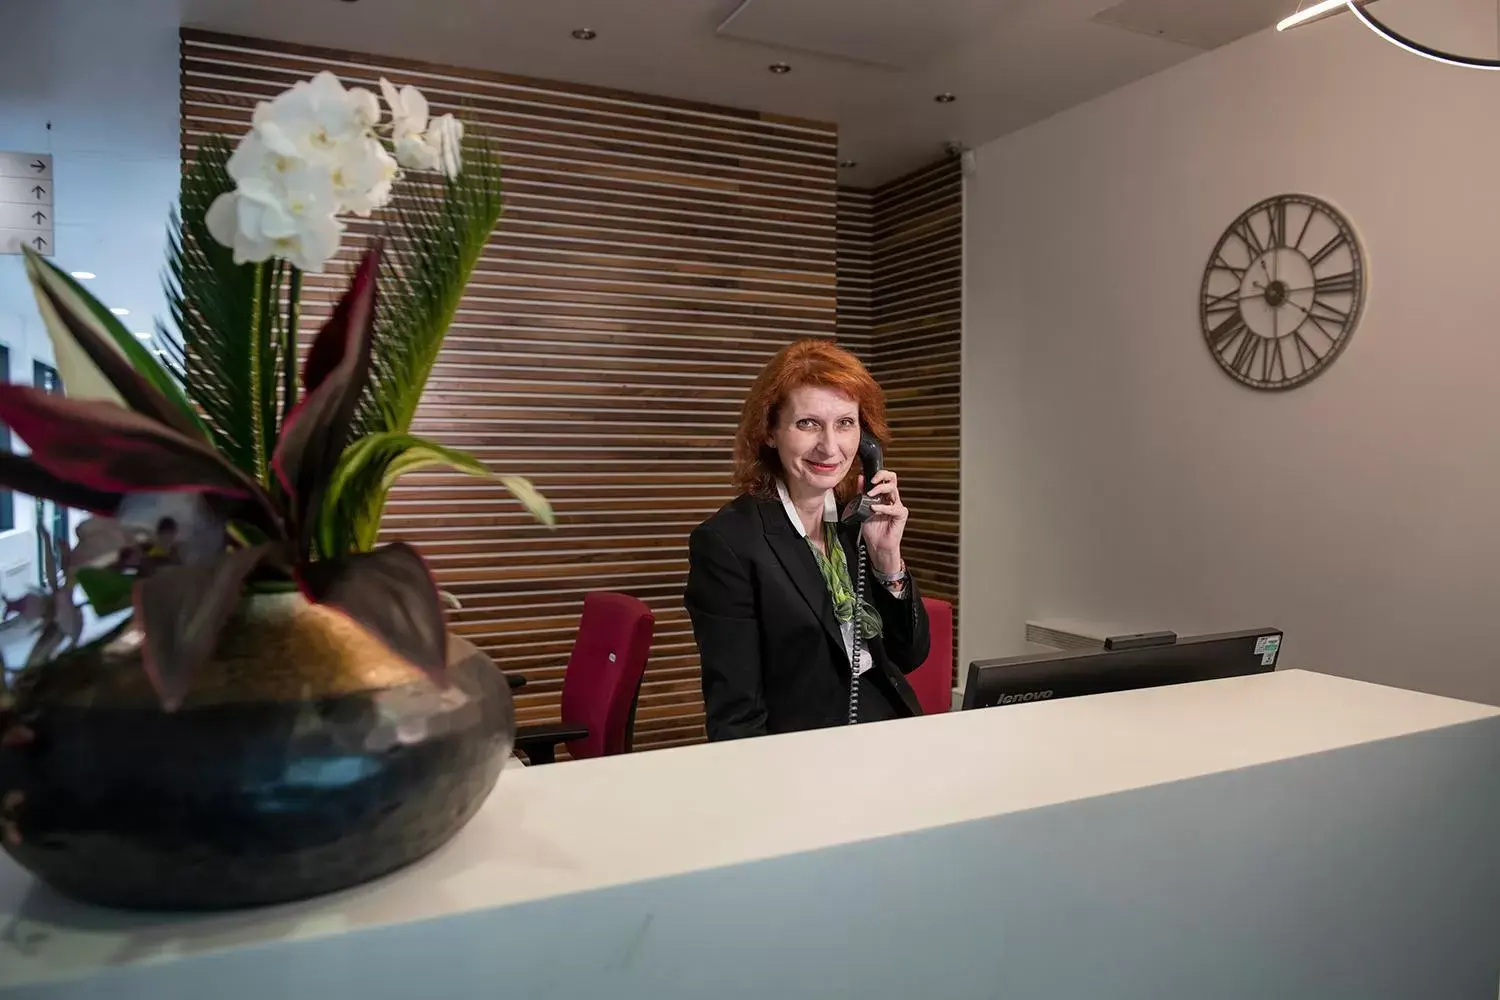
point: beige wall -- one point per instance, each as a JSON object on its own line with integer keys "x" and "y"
{"x": 1113, "y": 474}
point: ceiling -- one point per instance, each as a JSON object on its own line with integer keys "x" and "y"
{"x": 871, "y": 66}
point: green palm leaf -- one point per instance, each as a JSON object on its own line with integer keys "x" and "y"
{"x": 229, "y": 317}
{"x": 368, "y": 468}
{"x": 440, "y": 231}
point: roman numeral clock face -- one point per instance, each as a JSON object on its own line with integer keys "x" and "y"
{"x": 1283, "y": 292}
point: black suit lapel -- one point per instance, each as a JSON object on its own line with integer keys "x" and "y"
{"x": 797, "y": 558}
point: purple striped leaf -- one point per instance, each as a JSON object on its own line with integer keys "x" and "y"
{"x": 107, "y": 449}
{"x": 317, "y": 430}
{"x": 22, "y": 474}
{"x": 389, "y": 591}
{"x": 182, "y": 610}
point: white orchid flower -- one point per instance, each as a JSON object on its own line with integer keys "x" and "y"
{"x": 446, "y": 137}
{"x": 363, "y": 173}
{"x": 264, "y": 154}
{"x": 223, "y": 223}
{"x": 311, "y": 155}
{"x": 366, "y": 107}
{"x": 316, "y": 115}
{"x": 360, "y": 169}
{"x": 184, "y": 525}
{"x": 408, "y": 112}
{"x": 413, "y": 153}
{"x": 289, "y": 215}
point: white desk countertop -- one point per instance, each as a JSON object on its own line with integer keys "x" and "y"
{"x": 581, "y": 826}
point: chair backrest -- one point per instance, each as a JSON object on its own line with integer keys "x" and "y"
{"x": 933, "y": 680}
{"x": 605, "y": 670}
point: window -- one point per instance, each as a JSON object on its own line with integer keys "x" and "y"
{"x": 44, "y": 376}
{"x": 50, "y": 514}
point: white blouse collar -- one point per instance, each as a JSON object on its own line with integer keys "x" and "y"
{"x": 830, "y": 508}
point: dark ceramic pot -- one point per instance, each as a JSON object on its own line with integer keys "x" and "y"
{"x": 306, "y": 759}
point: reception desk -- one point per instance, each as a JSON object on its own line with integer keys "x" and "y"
{"x": 1289, "y": 835}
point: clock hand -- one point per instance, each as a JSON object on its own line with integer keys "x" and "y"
{"x": 1289, "y": 291}
{"x": 1306, "y": 313}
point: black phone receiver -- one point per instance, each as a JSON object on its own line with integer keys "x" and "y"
{"x": 871, "y": 462}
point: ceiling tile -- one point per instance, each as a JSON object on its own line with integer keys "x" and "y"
{"x": 897, "y": 34}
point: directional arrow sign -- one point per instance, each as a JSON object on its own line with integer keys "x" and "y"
{"x": 26, "y": 211}
{"x": 36, "y": 166}
{"x": 11, "y": 241}
{"x": 18, "y": 190}
{"x": 25, "y": 217}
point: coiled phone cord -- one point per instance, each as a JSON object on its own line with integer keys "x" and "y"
{"x": 859, "y": 602}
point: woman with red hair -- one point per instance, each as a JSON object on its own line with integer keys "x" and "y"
{"x": 771, "y": 580}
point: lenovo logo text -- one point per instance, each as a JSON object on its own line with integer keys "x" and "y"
{"x": 1016, "y": 699}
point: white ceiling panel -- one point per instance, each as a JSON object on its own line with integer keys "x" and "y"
{"x": 871, "y": 66}
{"x": 897, "y": 34}
{"x": 1194, "y": 22}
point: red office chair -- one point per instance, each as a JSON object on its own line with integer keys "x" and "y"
{"x": 602, "y": 682}
{"x": 933, "y": 680}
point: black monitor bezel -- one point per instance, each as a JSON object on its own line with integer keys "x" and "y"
{"x": 1041, "y": 672}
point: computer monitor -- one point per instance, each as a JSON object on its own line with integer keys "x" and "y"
{"x": 1018, "y": 680}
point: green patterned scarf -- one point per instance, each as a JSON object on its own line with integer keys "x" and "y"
{"x": 835, "y": 569}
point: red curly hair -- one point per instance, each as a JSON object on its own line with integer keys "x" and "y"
{"x": 818, "y": 363}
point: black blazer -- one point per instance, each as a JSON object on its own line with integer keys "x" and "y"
{"x": 773, "y": 657}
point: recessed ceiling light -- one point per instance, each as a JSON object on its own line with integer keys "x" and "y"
{"x": 82, "y": 275}
{"x": 120, "y": 312}
{"x": 585, "y": 34}
{"x": 142, "y": 335}
{"x": 848, "y": 164}
{"x": 945, "y": 98}
{"x": 779, "y": 68}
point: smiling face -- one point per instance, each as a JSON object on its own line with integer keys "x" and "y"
{"x": 816, "y": 435}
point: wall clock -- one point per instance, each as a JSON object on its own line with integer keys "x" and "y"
{"x": 1283, "y": 292}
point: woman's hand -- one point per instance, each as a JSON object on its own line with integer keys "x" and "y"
{"x": 883, "y": 531}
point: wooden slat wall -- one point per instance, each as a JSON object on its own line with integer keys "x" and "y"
{"x": 915, "y": 323}
{"x": 856, "y": 312}
{"x": 653, "y": 255}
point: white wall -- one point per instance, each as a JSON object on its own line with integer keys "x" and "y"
{"x": 1113, "y": 474}
{"x": 104, "y": 74}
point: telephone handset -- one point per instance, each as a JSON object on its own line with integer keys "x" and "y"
{"x": 871, "y": 464}
{"x": 860, "y": 511}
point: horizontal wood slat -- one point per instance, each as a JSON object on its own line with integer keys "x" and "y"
{"x": 900, "y": 253}
{"x": 653, "y": 255}
{"x": 856, "y": 250}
